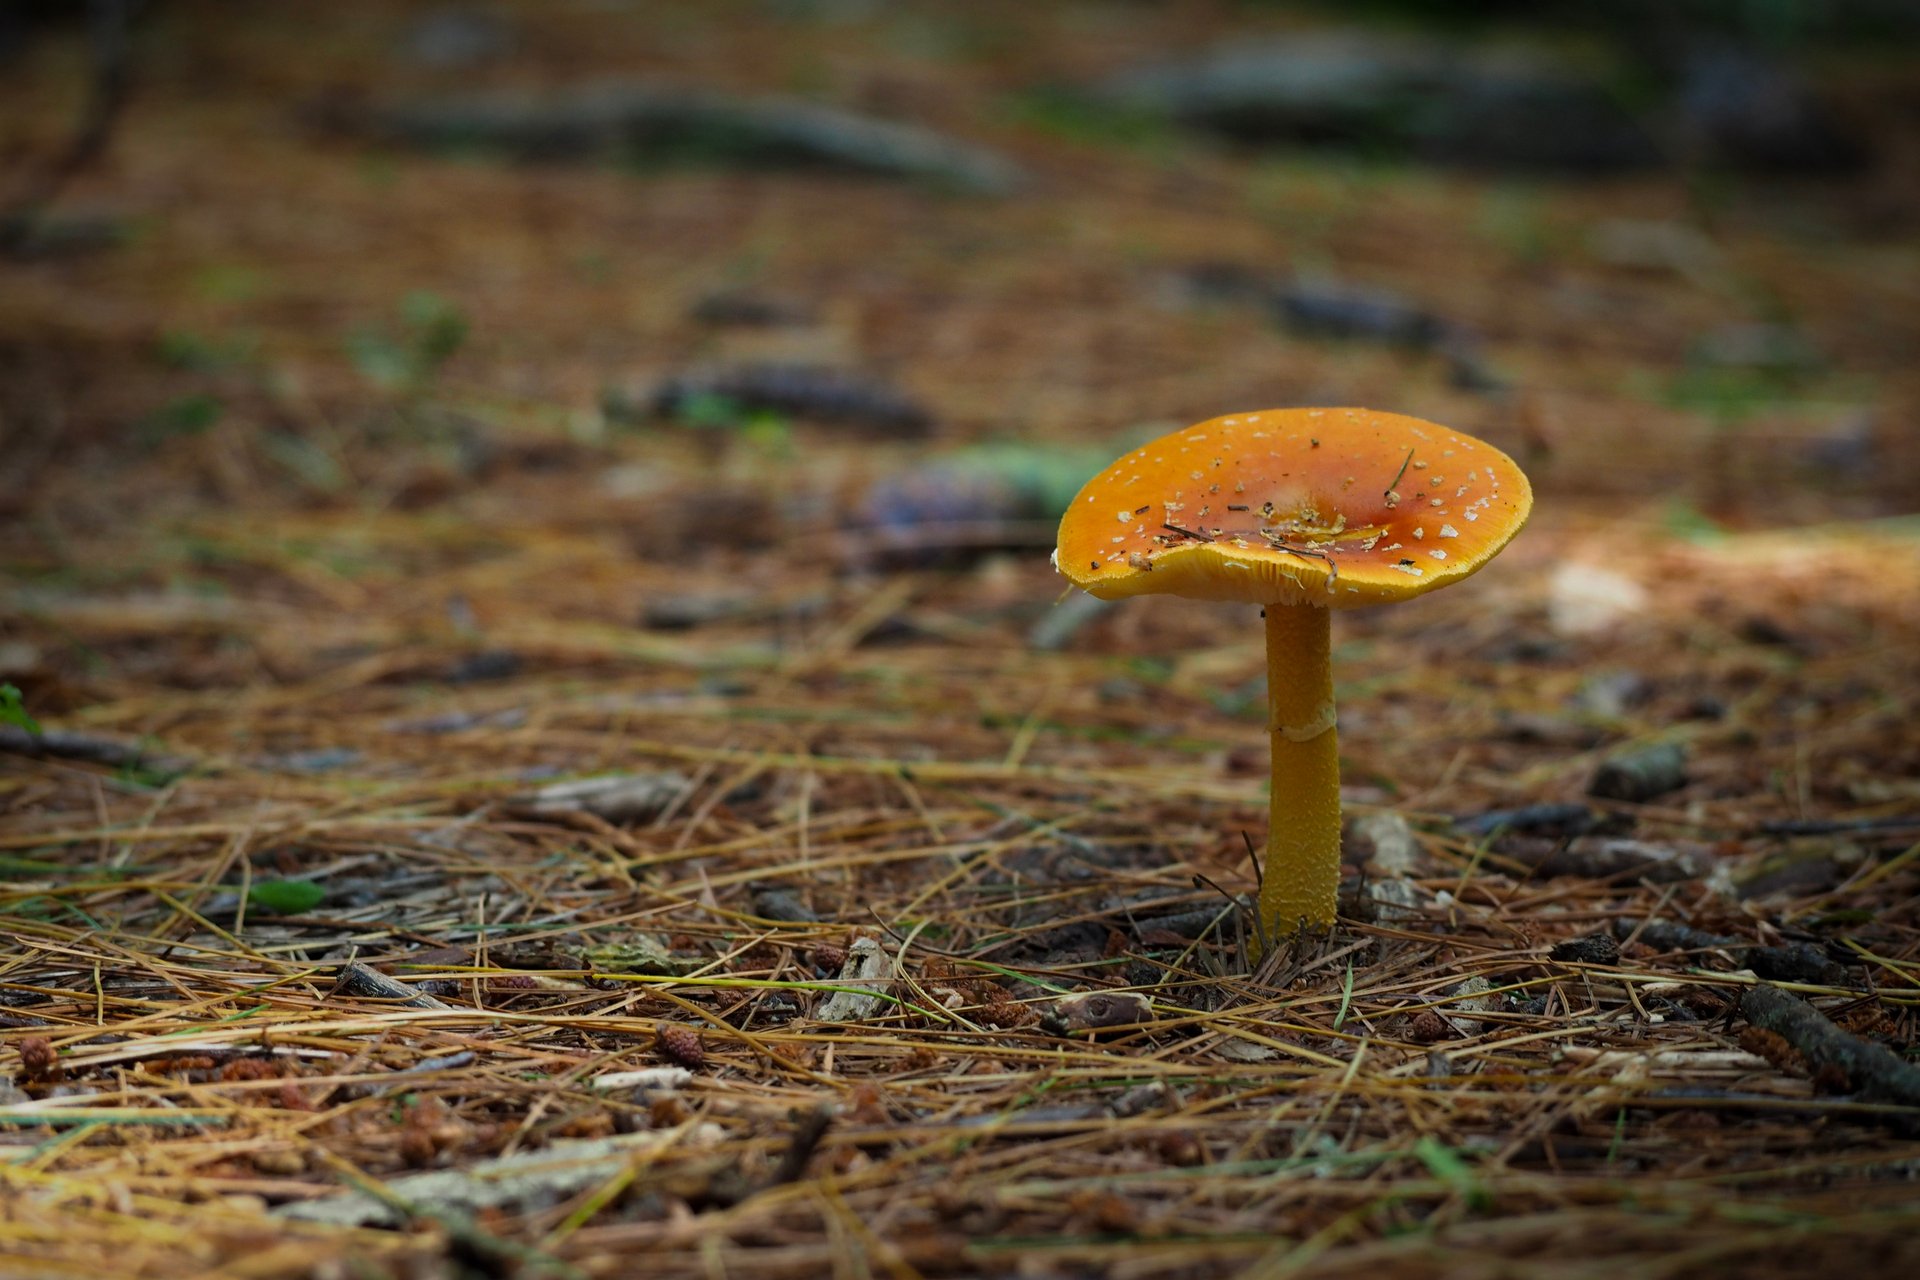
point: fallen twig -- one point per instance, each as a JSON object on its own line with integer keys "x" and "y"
{"x": 88, "y": 749}
{"x": 110, "y": 25}
{"x": 1837, "y": 826}
{"x": 811, "y": 1126}
{"x": 491, "y": 1254}
{"x": 358, "y": 980}
{"x": 1791, "y": 962}
{"x": 1604, "y": 857}
{"x": 1872, "y": 1070}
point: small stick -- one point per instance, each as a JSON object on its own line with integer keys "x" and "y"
{"x": 1243, "y": 910}
{"x": 810, "y": 1127}
{"x": 1872, "y": 1070}
{"x": 1186, "y": 533}
{"x": 1278, "y": 542}
{"x": 1404, "y": 463}
{"x": 357, "y": 980}
{"x": 1791, "y": 962}
{"x": 486, "y": 1253}
{"x": 88, "y": 749}
{"x": 107, "y": 93}
{"x": 1834, "y": 826}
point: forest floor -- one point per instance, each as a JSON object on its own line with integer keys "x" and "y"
{"x": 339, "y": 546}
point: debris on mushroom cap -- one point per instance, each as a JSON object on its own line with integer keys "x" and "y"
{"x": 1332, "y": 507}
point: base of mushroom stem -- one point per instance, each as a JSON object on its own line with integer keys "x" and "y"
{"x": 1288, "y": 956}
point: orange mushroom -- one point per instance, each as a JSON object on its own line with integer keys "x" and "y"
{"x": 1302, "y": 511}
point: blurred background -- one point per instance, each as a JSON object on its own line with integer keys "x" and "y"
{"x": 662, "y": 316}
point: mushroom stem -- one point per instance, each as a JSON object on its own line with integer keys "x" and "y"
{"x": 1301, "y": 879}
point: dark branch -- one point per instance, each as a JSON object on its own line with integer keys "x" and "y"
{"x": 110, "y": 25}
{"x": 1873, "y": 1071}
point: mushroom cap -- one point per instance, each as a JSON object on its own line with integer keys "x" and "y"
{"x": 1339, "y": 508}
